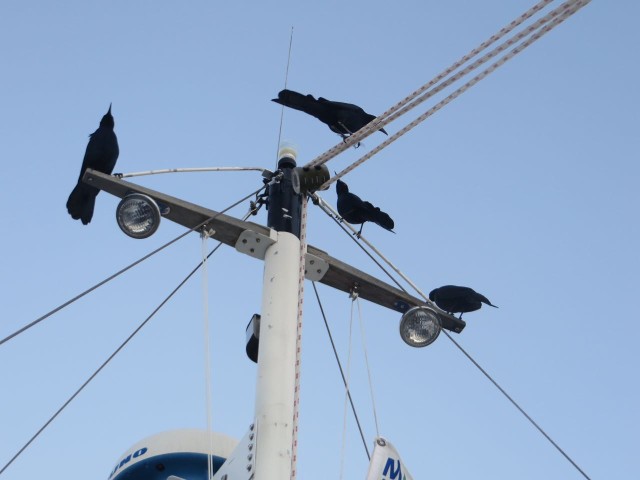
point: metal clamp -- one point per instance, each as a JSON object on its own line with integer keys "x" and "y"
{"x": 255, "y": 244}
{"x": 314, "y": 267}
{"x": 354, "y": 294}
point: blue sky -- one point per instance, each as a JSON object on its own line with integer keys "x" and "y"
{"x": 524, "y": 188}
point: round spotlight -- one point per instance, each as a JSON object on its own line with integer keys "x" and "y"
{"x": 138, "y": 215}
{"x": 420, "y": 326}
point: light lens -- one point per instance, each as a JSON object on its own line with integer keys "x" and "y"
{"x": 420, "y": 326}
{"x": 138, "y": 215}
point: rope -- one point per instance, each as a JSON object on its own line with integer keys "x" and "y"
{"x": 327, "y": 209}
{"x": 286, "y": 79}
{"x": 561, "y": 14}
{"x": 207, "y": 353}
{"x": 119, "y": 272}
{"x": 366, "y": 360}
{"x": 104, "y": 364}
{"x": 301, "y": 276}
{"x": 344, "y": 380}
{"x": 376, "y": 123}
{"x": 346, "y": 397}
{"x": 466, "y": 86}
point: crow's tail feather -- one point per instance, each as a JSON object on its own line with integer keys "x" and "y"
{"x": 81, "y": 202}
{"x": 384, "y": 220}
{"x": 486, "y": 301}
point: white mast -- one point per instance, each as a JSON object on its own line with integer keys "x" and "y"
{"x": 275, "y": 389}
{"x": 276, "y": 360}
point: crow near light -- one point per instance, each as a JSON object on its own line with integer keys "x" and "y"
{"x": 420, "y": 326}
{"x": 138, "y": 215}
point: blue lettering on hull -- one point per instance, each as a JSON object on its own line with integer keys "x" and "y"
{"x": 391, "y": 471}
{"x": 127, "y": 459}
{"x": 159, "y": 467}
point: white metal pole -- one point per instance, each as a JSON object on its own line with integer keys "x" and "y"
{"x": 276, "y": 360}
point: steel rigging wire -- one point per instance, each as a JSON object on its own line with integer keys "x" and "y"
{"x": 326, "y": 208}
{"x": 567, "y": 9}
{"x": 535, "y": 31}
{"x": 128, "y": 267}
{"x": 344, "y": 379}
{"x": 112, "y": 356}
{"x": 286, "y": 80}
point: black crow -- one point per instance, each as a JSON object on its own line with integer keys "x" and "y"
{"x": 342, "y": 118}
{"x": 454, "y": 299}
{"x": 101, "y": 154}
{"x": 354, "y": 210}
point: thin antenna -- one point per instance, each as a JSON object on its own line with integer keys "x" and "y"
{"x": 286, "y": 78}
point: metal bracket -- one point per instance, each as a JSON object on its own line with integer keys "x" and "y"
{"x": 241, "y": 463}
{"x": 314, "y": 267}
{"x": 255, "y": 244}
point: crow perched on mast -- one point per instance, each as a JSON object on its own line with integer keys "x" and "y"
{"x": 101, "y": 154}
{"x": 342, "y": 118}
{"x": 355, "y": 210}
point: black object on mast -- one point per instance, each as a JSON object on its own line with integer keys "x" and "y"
{"x": 284, "y": 205}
